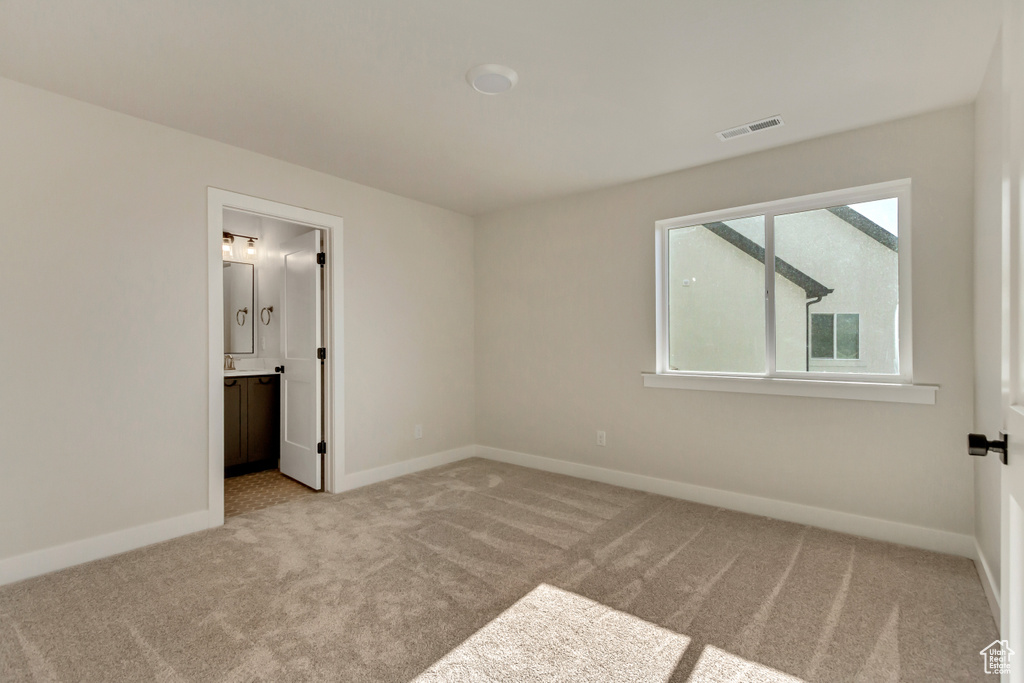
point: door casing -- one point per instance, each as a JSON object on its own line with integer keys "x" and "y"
{"x": 331, "y": 228}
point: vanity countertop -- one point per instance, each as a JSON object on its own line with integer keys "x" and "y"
{"x": 249, "y": 373}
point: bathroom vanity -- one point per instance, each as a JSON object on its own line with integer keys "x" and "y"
{"x": 252, "y": 408}
{"x": 251, "y": 397}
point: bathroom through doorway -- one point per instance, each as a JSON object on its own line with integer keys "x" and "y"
{"x": 274, "y": 393}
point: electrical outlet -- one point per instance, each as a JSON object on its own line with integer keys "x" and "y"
{"x": 602, "y": 439}
{"x": 418, "y": 432}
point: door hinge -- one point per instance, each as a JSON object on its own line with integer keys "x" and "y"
{"x": 321, "y": 447}
{"x": 321, "y": 353}
{"x": 321, "y": 258}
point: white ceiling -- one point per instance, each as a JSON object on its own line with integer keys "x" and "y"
{"x": 609, "y": 91}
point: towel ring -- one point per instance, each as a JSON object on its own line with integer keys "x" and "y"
{"x": 241, "y": 312}
{"x": 269, "y": 310}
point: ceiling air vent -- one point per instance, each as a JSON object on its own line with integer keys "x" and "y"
{"x": 747, "y": 129}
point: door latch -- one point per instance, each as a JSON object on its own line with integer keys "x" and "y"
{"x": 978, "y": 444}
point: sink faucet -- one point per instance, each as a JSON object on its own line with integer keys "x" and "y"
{"x": 229, "y": 362}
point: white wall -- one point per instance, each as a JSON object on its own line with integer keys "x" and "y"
{"x": 565, "y": 325}
{"x": 103, "y": 317}
{"x": 270, "y": 265}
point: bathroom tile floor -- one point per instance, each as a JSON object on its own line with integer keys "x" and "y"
{"x": 259, "y": 490}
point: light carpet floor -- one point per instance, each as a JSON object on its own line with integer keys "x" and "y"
{"x": 481, "y": 571}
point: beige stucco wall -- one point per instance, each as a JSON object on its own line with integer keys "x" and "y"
{"x": 717, "y": 306}
{"x": 864, "y": 275}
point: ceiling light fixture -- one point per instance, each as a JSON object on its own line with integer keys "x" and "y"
{"x": 492, "y": 79}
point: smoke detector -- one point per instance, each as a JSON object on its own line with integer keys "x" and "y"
{"x": 749, "y": 128}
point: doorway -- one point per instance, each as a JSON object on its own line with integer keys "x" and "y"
{"x": 288, "y": 340}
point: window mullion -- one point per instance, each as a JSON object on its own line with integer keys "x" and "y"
{"x": 835, "y": 335}
{"x": 769, "y": 296}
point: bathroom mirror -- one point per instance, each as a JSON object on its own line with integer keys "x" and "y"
{"x": 239, "y": 307}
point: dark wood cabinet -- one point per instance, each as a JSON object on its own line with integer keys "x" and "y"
{"x": 252, "y": 409}
{"x": 235, "y": 427}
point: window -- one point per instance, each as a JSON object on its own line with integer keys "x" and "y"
{"x": 835, "y": 336}
{"x": 813, "y": 288}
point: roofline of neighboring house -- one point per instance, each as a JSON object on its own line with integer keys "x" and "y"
{"x": 811, "y": 287}
{"x": 866, "y": 226}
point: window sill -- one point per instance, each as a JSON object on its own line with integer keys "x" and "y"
{"x": 813, "y": 388}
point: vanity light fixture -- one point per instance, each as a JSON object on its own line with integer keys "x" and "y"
{"x": 229, "y": 240}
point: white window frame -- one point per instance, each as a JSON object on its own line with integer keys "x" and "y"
{"x": 895, "y": 387}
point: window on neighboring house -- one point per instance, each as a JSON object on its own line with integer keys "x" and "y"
{"x": 738, "y": 289}
{"x": 835, "y": 336}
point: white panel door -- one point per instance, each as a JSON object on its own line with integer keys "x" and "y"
{"x": 1012, "y": 494}
{"x": 1012, "y": 546}
{"x": 301, "y": 391}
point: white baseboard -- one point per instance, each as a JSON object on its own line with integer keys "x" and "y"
{"x": 69, "y": 554}
{"x": 424, "y": 462}
{"x": 869, "y": 527}
{"x": 988, "y": 582}
{"x": 76, "y": 552}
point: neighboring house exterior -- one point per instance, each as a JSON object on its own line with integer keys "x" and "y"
{"x": 836, "y": 295}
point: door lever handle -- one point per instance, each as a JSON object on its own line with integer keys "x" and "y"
{"x": 979, "y": 444}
